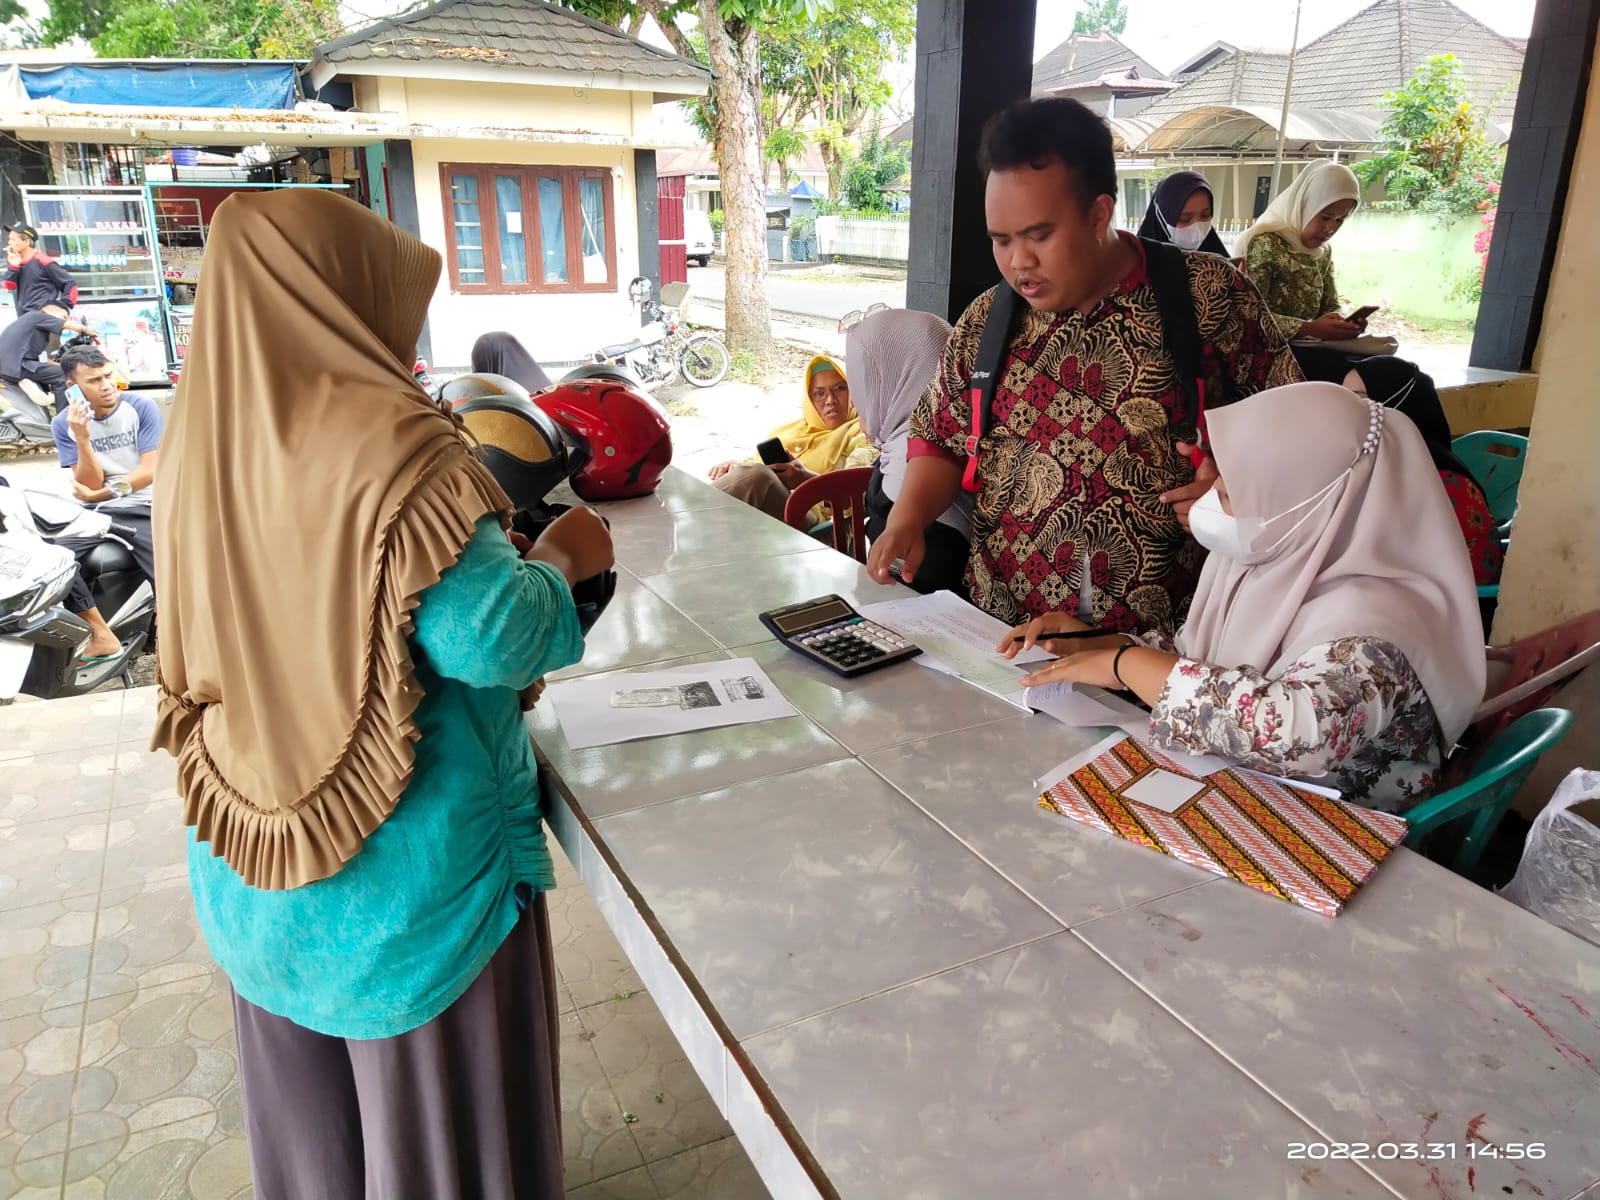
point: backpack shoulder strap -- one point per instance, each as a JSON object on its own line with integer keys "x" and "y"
{"x": 1180, "y": 329}
{"x": 997, "y": 329}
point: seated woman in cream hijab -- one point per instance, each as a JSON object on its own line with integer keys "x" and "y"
{"x": 1286, "y": 253}
{"x": 826, "y": 438}
{"x": 1334, "y": 635}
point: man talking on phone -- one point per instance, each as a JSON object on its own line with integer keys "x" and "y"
{"x": 109, "y": 441}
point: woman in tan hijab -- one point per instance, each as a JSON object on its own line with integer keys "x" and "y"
{"x": 1334, "y": 635}
{"x": 345, "y": 630}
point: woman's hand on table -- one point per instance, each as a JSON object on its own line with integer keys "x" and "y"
{"x": 530, "y": 694}
{"x": 791, "y": 474}
{"x": 1130, "y": 667}
{"x": 1092, "y": 667}
{"x": 721, "y": 469}
{"x": 1037, "y": 633}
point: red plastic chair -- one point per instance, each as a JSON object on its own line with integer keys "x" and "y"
{"x": 845, "y": 494}
{"x": 1537, "y": 666}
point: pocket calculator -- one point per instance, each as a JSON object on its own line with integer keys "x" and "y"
{"x": 828, "y": 630}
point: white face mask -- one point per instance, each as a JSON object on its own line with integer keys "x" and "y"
{"x": 1189, "y": 237}
{"x": 1235, "y": 537}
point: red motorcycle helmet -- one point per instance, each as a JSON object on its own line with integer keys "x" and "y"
{"x": 628, "y": 434}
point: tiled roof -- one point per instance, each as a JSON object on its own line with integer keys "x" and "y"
{"x": 1356, "y": 63}
{"x": 1084, "y": 58}
{"x": 514, "y": 33}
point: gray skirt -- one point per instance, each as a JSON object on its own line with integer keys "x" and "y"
{"x": 466, "y": 1107}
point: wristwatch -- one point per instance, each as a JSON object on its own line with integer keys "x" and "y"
{"x": 120, "y": 488}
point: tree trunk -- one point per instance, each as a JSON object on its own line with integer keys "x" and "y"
{"x": 834, "y": 161}
{"x": 734, "y": 50}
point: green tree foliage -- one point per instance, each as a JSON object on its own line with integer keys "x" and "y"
{"x": 1432, "y": 152}
{"x": 192, "y": 28}
{"x": 1101, "y": 16}
{"x": 871, "y": 172}
{"x": 733, "y": 31}
{"x": 834, "y": 78}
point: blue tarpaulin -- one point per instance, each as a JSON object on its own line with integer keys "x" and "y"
{"x": 241, "y": 84}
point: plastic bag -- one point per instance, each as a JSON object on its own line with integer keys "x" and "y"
{"x": 1559, "y": 876}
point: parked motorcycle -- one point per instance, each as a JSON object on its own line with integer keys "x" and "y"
{"x": 665, "y": 349}
{"x": 39, "y": 639}
{"x": 24, "y": 422}
{"x": 425, "y": 380}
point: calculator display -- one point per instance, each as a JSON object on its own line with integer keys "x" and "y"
{"x": 834, "y": 610}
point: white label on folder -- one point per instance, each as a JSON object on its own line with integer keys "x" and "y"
{"x": 1164, "y": 790}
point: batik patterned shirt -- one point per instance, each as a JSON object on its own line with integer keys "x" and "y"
{"x": 1350, "y": 713}
{"x": 1082, "y": 442}
{"x": 1297, "y": 287}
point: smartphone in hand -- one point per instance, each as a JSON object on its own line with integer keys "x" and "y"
{"x": 772, "y": 452}
{"x": 1362, "y": 314}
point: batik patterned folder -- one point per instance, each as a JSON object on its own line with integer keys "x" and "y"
{"x": 1276, "y": 838}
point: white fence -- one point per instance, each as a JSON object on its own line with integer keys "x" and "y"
{"x": 889, "y": 241}
{"x": 867, "y": 238}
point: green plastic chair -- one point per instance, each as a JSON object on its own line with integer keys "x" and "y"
{"x": 1495, "y": 460}
{"x": 1496, "y": 776}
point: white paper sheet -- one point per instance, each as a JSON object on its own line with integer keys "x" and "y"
{"x": 683, "y": 699}
{"x": 959, "y": 640}
{"x": 513, "y": 221}
{"x": 1079, "y": 706}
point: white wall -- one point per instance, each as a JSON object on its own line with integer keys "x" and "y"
{"x": 555, "y": 327}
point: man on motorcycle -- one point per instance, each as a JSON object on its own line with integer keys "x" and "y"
{"x": 23, "y": 345}
{"x": 109, "y": 443}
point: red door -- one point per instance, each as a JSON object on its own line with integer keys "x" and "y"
{"x": 670, "y": 191}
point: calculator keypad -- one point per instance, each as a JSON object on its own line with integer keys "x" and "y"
{"x": 854, "y": 642}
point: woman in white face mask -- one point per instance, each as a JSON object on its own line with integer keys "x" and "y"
{"x": 1180, "y": 213}
{"x": 1334, "y": 635}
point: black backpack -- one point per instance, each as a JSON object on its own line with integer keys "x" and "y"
{"x": 1180, "y": 334}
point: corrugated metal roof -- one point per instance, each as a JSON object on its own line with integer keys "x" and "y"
{"x": 514, "y": 33}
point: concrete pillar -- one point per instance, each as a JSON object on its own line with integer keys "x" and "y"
{"x": 649, "y": 216}
{"x": 1539, "y": 160}
{"x": 1552, "y": 570}
{"x": 403, "y": 212}
{"x": 973, "y": 58}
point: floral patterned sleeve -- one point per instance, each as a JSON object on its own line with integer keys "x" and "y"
{"x": 1353, "y": 710}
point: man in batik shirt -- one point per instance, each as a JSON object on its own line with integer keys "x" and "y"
{"x": 1083, "y": 465}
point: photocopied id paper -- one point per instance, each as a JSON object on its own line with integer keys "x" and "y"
{"x": 647, "y": 704}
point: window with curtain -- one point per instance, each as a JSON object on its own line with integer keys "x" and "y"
{"x": 508, "y": 210}
{"x": 553, "y": 227}
{"x": 468, "y": 228}
{"x": 531, "y": 229}
{"x": 592, "y": 204}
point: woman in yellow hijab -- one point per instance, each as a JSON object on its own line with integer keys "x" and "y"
{"x": 827, "y": 436}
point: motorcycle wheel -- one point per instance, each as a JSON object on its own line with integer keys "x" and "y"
{"x": 704, "y": 361}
